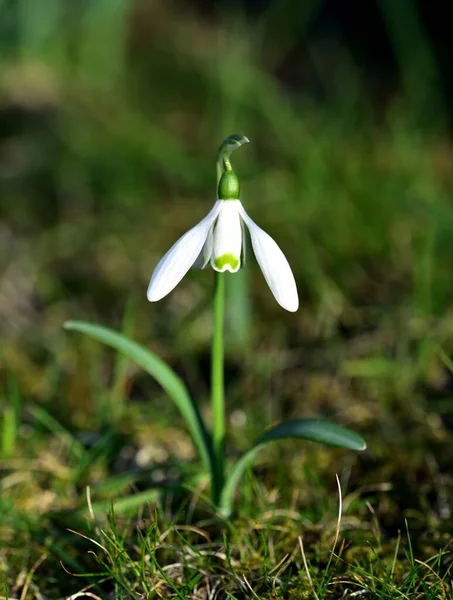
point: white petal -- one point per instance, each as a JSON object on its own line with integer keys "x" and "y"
{"x": 181, "y": 256}
{"x": 205, "y": 254}
{"x": 207, "y": 248}
{"x": 227, "y": 238}
{"x": 275, "y": 267}
{"x": 244, "y": 245}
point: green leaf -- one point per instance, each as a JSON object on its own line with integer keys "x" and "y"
{"x": 161, "y": 372}
{"x": 124, "y": 505}
{"x": 306, "y": 429}
{"x": 315, "y": 430}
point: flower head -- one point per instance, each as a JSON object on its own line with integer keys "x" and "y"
{"x": 219, "y": 240}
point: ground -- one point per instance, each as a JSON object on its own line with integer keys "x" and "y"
{"x": 105, "y": 159}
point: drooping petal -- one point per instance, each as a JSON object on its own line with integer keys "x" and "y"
{"x": 244, "y": 244}
{"x": 207, "y": 248}
{"x": 205, "y": 254}
{"x": 273, "y": 263}
{"x": 181, "y": 256}
{"x": 227, "y": 238}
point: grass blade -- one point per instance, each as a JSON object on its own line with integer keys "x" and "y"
{"x": 11, "y": 418}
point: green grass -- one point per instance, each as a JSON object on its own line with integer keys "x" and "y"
{"x": 111, "y": 117}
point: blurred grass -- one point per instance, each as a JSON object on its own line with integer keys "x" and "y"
{"x": 110, "y": 116}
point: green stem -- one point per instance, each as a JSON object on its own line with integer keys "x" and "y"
{"x": 217, "y": 390}
{"x": 228, "y": 145}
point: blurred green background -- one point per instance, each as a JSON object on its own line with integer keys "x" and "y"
{"x": 111, "y": 113}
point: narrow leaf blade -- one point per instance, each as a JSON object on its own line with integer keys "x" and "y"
{"x": 161, "y": 372}
{"x": 315, "y": 430}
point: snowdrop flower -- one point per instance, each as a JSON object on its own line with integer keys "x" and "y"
{"x": 219, "y": 240}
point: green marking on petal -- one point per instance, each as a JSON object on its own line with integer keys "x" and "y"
{"x": 221, "y": 263}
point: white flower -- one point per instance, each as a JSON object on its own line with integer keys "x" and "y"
{"x": 219, "y": 238}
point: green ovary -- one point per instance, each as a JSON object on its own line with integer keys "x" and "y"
{"x": 226, "y": 261}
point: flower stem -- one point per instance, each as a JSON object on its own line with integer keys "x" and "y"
{"x": 217, "y": 389}
{"x": 228, "y": 145}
